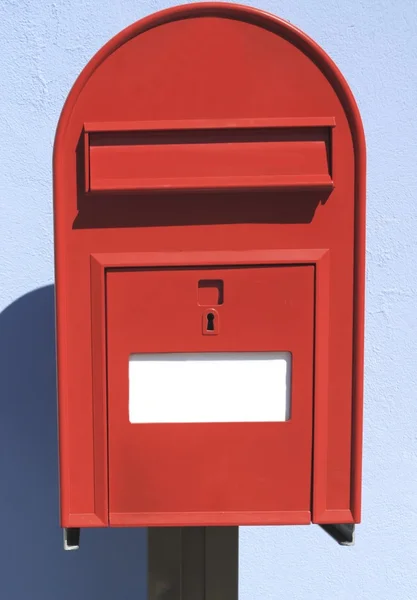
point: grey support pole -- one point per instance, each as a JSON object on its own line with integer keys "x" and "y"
{"x": 193, "y": 563}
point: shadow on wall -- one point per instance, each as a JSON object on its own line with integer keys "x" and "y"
{"x": 111, "y": 563}
{"x": 205, "y": 208}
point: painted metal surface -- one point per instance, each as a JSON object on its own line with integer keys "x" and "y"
{"x": 210, "y": 473}
{"x": 303, "y": 206}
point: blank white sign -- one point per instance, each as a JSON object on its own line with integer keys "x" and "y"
{"x": 219, "y": 387}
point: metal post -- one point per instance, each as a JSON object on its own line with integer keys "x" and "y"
{"x": 193, "y": 563}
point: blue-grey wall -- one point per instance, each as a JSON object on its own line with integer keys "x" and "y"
{"x": 43, "y": 46}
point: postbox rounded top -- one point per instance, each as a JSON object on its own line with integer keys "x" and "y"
{"x": 236, "y": 12}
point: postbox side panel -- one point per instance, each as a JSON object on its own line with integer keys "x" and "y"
{"x": 248, "y": 461}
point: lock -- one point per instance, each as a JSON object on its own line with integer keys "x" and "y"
{"x": 210, "y": 322}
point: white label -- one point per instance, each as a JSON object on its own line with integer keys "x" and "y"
{"x": 217, "y": 387}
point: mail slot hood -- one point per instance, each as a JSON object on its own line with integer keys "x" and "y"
{"x": 223, "y": 154}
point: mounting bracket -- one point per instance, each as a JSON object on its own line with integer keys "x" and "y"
{"x": 71, "y": 538}
{"x": 343, "y": 533}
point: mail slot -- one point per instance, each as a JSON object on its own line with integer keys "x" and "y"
{"x": 209, "y": 199}
{"x": 208, "y": 155}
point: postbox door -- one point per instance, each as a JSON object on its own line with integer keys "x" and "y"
{"x": 210, "y": 394}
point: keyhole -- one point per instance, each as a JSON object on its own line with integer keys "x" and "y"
{"x": 210, "y": 322}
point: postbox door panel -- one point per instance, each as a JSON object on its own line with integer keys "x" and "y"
{"x": 210, "y": 394}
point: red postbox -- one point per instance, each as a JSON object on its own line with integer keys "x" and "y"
{"x": 209, "y": 198}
